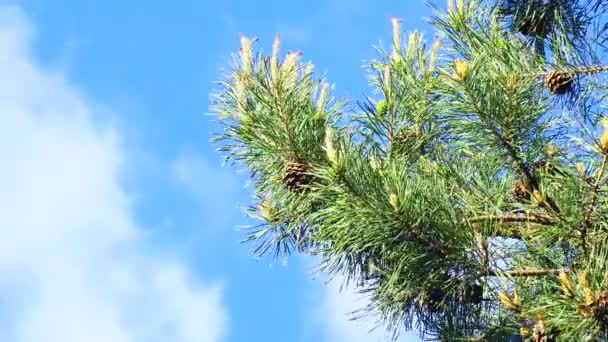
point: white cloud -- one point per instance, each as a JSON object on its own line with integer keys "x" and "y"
{"x": 73, "y": 263}
{"x": 335, "y": 315}
{"x": 336, "y": 311}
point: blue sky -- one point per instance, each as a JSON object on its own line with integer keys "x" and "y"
{"x": 119, "y": 222}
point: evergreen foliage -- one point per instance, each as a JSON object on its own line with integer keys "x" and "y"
{"x": 467, "y": 195}
{"x": 562, "y": 23}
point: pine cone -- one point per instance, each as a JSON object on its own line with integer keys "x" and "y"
{"x": 473, "y": 294}
{"x": 404, "y": 140}
{"x": 536, "y": 19}
{"x": 520, "y": 191}
{"x": 432, "y": 298}
{"x": 534, "y": 26}
{"x": 600, "y": 312}
{"x": 559, "y": 82}
{"x": 296, "y": 175}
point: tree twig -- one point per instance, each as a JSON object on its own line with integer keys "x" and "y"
{"x": 428, "y": 241}
{"x": 521, "y": 165}
{"x": 594, "y": 195}
{"x": 513, "y": 218}
{"x": 508, "y": 234}
{"x": 524, "y": 272}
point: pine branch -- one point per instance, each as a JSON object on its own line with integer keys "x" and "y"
{"x": 278, "y": 102}
{"x": 413, "y": 231}
{"x": 538, "y": 219}
{"x": 523, "y": 273}
{"x": 594, "y": 197}
{"x": 595, "y": 192}
{"x": 524, "y": 169}
{"x": 512, "y": 152}
{"x": 508, "y": 234}
{"x": 428, "y": 242}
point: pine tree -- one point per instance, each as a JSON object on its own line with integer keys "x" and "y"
{"x": 467, "y": 195}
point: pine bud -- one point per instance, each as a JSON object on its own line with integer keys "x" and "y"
{"x": 394, "y": 201}
{"x": 537, "y": 197}
{"x": 306, "y": 84}
{"x": 387, "y": 78}
{"x": 268, "y": 212}
{"x": 308, "y": 71}
{"x": 434, "y": 53}
{"x": 265, "y": 211}
{"x": 240, "y": 92}
{"x": 604, "y": 141}
{"x": 291, "y": 62}
{"x": 414, "y": 42}
{"x": 262, "y": 68}
{"x": 274, "y": 60}
{"x": 582, "y": 170}
{"x": 396, "y": 55}
{"x": 460, "y": 7}
{"x": 463, "y": 72}
{"x": 587, "y": 291}
{"x": 517, "y": 299}
{"x": 375, "y": 163}
{"x": 512, "y": 82}
{"x": 330, "y": 149}
{"x": 247, "y": 54}
{"x": 381, "y": 107}
{"x": 551, "y": 150}
{"x": 540, "y": 329}
{"x": 289, "y": 69}
{"x": 507, "y": 301}
{"x": 322, "y": 101}
{"x": 566, "y": 285}
{"x": 451, "y": 7}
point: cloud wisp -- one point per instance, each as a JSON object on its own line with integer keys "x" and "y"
{"x": 73, "y": 263}
{"x": 339, "y": 304}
